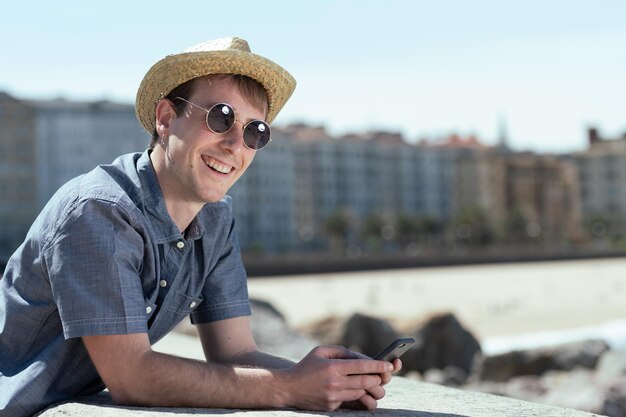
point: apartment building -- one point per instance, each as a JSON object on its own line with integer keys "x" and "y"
{"x": 542, "y": 190}
{"x": 545, "y": 190}
{"x": 306, "y": 176}
{"x": 72, "y": 138}
{"x": 45, "y": 143}
{"x": 311, "y": 176}
{"x": 602, "y": 174}
{"x": 18, "y": 201}
{"x": 263, "y": 199}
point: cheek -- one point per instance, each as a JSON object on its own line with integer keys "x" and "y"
{"x": 248, "y": 158}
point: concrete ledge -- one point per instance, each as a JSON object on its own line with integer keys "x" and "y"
{"x": 404, "y": 398}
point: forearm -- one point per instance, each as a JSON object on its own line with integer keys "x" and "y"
{"x": 163, "y": 380}
{"x": 261, "y": 360}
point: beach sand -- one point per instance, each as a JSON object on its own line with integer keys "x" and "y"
{"x": 491, "y": 300}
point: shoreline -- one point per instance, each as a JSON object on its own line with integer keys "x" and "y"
{"x": 612, "y": 332}
{"x": 259, "y": 266}
{"x": 500, "y": 300}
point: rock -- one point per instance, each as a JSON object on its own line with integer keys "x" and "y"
{"x": 615, "y": 400}
{"x": 572, "y": 389}
{"x": 537, "y": 361}
{"x": 611, "y": 373}
{"x": 442, "y": 342}
{"x": 585, "y": 354}
{"x": 327, "y": 331}
{"x": 612, "y": 365}
{"x": 528, "y": 388}
{"x": 505, "y": 366}
{"x": 450, "y": 376}
{"x": 601, "y": 391}
{"x": 265, "y": 307}
{"x": 274, "y": 336}
{"x": 575, "y": 389}
{"x": 368, "y": 335}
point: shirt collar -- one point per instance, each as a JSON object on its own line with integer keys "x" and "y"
{"x": 154, "y": 203}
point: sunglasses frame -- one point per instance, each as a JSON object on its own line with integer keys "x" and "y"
{"x": 206, "y": 119}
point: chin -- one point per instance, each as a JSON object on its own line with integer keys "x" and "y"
{"x": 213, "y": 198}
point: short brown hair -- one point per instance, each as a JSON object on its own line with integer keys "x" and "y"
{"x": 249, "y": 88}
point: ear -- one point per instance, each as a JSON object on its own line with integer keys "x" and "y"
{"x": 165, "y": 114}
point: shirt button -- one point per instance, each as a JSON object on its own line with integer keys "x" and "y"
{"x": 163, "y": 283}
{"x": 148, "y": 310}
{"x": 192, "y": 305}
{"x": 180, "y": 245}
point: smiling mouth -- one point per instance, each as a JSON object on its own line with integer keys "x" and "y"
{"x": 216, "y": 165}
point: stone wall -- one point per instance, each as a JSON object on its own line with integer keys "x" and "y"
{"x": 405, "y": 398}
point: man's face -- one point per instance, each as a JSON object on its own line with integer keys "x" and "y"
{"x": 199, "y": 166}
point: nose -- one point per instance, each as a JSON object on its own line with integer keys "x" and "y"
{"x": 232, "y": 141}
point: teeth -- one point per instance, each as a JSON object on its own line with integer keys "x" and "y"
{"x": 217, "y": 166}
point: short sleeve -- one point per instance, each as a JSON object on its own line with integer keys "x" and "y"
{"x": 225, "y": 290}
{"x": 93, "y": 263}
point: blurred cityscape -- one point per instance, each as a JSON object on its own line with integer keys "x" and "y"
{"x": 356, "y": 196}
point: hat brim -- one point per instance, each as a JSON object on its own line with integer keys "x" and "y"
{"x": 174, "y": 70}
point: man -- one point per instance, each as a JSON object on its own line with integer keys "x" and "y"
{"x": 122, "y": 254}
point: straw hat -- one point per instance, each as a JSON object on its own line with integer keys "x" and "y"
{"x": 219, "y": 56}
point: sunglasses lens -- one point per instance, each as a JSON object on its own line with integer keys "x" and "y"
{"x": 256, "y": 134}
{"x": 220, "y": 118}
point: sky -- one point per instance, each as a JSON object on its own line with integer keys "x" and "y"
{"x": 544, "y": 71}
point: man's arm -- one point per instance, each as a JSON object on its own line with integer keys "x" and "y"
{"x": 136, "y": 375}
{"x": 231, "y": 342}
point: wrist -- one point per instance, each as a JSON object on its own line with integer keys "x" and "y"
{"x": 283, "y": 388}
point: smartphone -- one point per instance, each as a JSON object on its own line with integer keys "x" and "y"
{"x": 395, "y": 349}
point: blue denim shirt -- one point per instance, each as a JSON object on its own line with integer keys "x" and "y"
{"x": 104, "y": 257}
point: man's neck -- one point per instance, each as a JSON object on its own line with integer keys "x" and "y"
{"x": 182, "y": 213}
{"x": 181, "y": 210}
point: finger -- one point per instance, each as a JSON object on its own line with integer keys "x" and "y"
{"x": 334, "y": 352}
{"x": 364, "y": 366}
{"x": 361, "y": 381}
{"x": 385, "y": 378}
{"x": 376, "y": 392}
{"x": 397, "y": 365}
{"x": 349, "y": 395}
{"x": 368, "y": 402}
{"x": 360, "y": 355}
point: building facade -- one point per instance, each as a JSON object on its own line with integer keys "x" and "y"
{"x": 18, "y": 167}
{"x": 44, "y": 144}
{"x": 306, "y": 178}
{"x": 601, "y": 171}
{"x": 72, "y": 138}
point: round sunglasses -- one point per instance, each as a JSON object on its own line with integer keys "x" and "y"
{"x": 220, "y": 118}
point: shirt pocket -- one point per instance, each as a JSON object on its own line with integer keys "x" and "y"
{"x": 183, "y": 304}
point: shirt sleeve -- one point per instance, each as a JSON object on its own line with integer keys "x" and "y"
{"x": 93, "y": 263}
{"x": 225, "y": 290}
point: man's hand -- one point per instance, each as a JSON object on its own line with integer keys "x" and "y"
{"x": 329, "y": 376}
{"x": 369, "y": 400}
{"x": 397, "y": 365}
{"x": 323, "y": 380}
